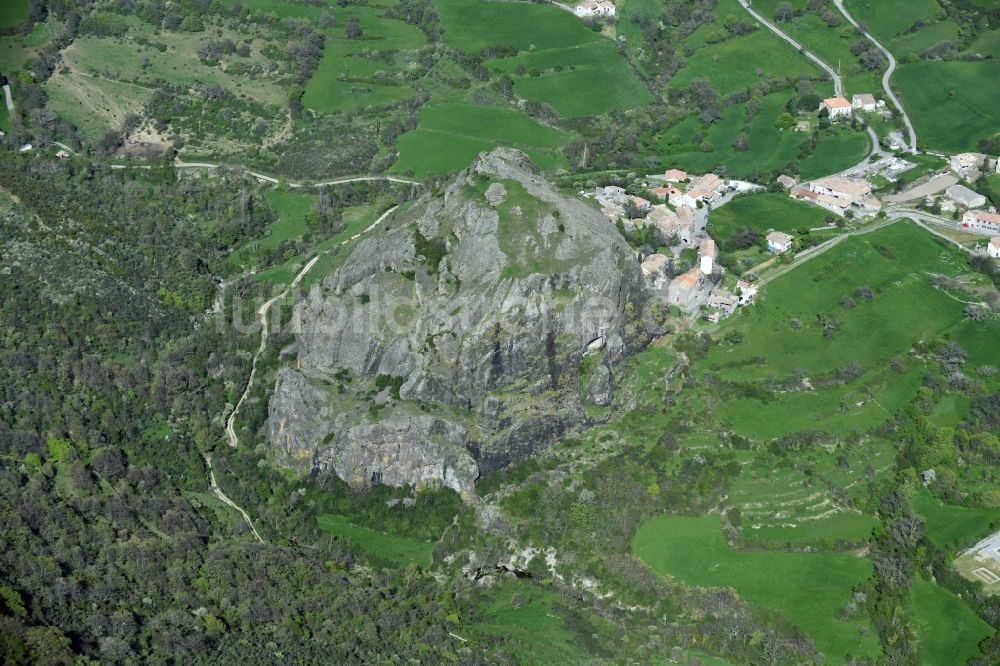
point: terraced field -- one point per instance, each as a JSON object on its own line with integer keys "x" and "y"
{"x": 786, "y": 506}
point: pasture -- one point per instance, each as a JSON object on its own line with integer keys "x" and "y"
{"x": 948, "y": 631}
{"x": 125, "y": 59}
{"x": 764, "y": 212}
{"x": 953, "y": 527}
{"x": 952, "y": 104}
{"x": 356, "y": 219}
{"x": 769, "y": 149}
{"x": 449, "y": 136}
{"x": 472, "y": 24}
{"x": 92, "y": 104}
{"x": 394, "y": 550}
{"x": 17, "y": 50}
{"x": 886, "y": 19}
{"x": 527, "y": 613}
{"x": 291, "y": 207}
{"x": 364, "y": 72}
{"x": 738, "y": 63}
{"x": 13, "y": 13}
{"x": 803, "y": 326}
{"x": 574, "y": 70}
{"x": 809, "y": 593}
{"x": 578, "y": 81}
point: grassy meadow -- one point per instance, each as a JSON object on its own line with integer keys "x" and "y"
{"x": 953, "y": 527}
{"x": 94, "y": 105}
{"x": 952, "y": 104}
{"x": 948, "y": 631}
{"x": 450, "y": 135}
{"x": 399, "y": 551}
{"x": 764, "y": 212}
{"x": 12, "y": 13}
{"x": 782, "y": 334}
{"x": 769, "y": 149}
{"x": 809, "y": 593}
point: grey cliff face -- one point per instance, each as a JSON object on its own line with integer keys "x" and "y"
{"x": 448, "y": 344}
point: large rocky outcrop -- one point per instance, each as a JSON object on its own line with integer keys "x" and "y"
{"x": 449, "y": 343}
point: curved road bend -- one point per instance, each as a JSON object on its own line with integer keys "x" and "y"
{"x": 885, "y": 76}
{"x": 225, "y": 499}
{"x": 263, "y": 312}
{"x": 838, "y": 85}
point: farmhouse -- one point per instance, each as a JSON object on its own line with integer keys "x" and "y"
{"x": 663, "y": 193}
{"x": 779, "y": 241}
{"x": 994, "y": 247}
{"x": 866, "y": 102}
{"x": 968, "y": 165}
{"x": 837, "y": 107}
{"x": 963, "y": 196}
{"x": 786, "y": 182}
{"x": 981, "y": 220}
{"x": 595, "y": 8}
{"x": 675, "y": 176}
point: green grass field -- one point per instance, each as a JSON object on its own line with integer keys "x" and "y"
{"x": 809, "y": 592}
{"x": 540, "y": 634}
{"x": 769, "y": 149}
{"x": 350, "y": 76}
{"x": 92, "y": 104}
{"x": 12, "y": 13}
{"x": 356, "y": 219}
{"x": 473, "y": 24}
{"x": 894, "y": 262}
{"x": 577, "y": 81}
{"x": 17, "y": 50}
{"x": 126, "y": 60}
{"x": 953, "y": 527}
{"x": 763, "y": 212}
{"x": 576, "y": 71}
{"x": 450, "y": 135}
{"x": 948, "y": 631}
{"x": 734, "y": 63}
{"x": 291, "y": 207}
{"x": 400, "y": 551}
{"x": 951, "y": 104}
{"x": 886, "y": 19}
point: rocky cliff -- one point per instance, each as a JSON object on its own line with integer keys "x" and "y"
{"x": 450, "y": 342}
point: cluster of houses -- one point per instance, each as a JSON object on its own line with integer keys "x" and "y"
{"x": 598, "y": 8}
{"x": 839, "y": 108}
{"x": 838, "y": 194}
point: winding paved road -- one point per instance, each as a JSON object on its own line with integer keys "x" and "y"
{"x": 264, "y": 310}
{"x": 838, "y": 84}
{"x": 885, "y": 76}
{"x": 225, "y": 499}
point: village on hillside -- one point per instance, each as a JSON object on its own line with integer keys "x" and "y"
{"x": 686, "y": 270}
